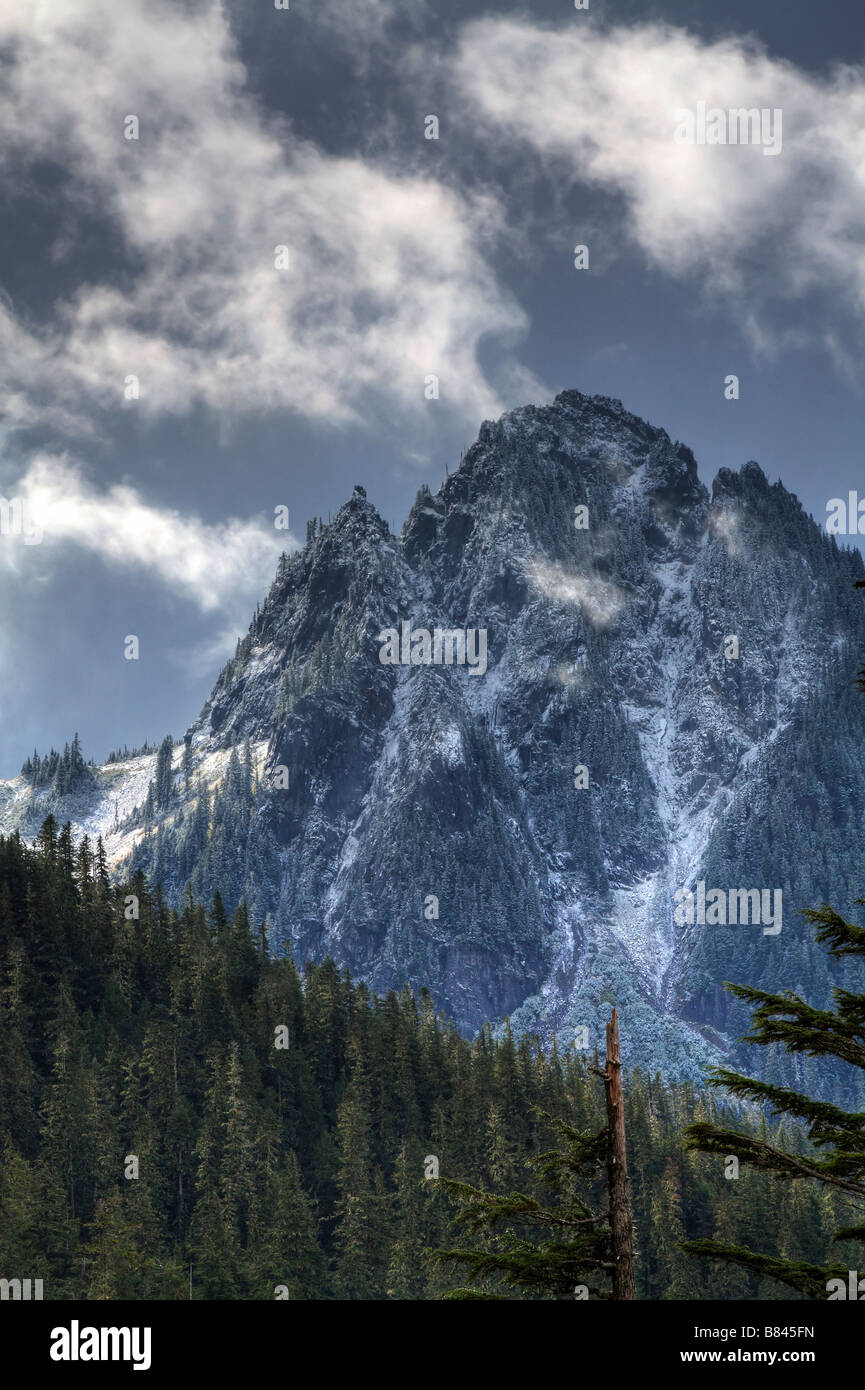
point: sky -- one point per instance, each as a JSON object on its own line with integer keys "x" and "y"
{"x": 233, "y": 256}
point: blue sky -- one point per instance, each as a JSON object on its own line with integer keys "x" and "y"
{"x": 257, "y": 387}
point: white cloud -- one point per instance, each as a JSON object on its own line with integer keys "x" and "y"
{"x": 213, "y": 566}
{"x": 600, "y": 601}
{"x": 387, "y": 281}
{"x": 598, "y": 106}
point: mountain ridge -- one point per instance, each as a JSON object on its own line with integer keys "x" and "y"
{"x": 606, "y": 650}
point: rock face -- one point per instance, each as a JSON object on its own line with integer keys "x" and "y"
{"x": 689, "y": 657}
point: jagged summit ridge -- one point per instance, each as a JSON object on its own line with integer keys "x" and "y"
{"x": 423, "y": 822}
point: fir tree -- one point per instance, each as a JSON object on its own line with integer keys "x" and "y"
{"x": 545, "y": 1250}
{"x": 837, "y": 1159}
{"x": 360, "y": 1208}
{"x": 163, "y": 789}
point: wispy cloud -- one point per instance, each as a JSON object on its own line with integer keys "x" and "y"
{"x": 727, "y": 526}
{"x": 363, "y": 25}
{"x": 598, "y": 106}
{"x": 600, "y": 601}
{"x": 213, "y": 566}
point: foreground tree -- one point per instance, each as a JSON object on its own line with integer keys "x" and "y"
{"x": 566, "y": 1249}
{"x": 837, "y": 1137}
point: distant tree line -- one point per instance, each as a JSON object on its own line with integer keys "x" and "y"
{"x": 124, "y": 754}
{"x": 65, "y": 772}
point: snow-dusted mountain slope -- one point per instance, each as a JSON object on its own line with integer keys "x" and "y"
{"x": 427, "y": 822}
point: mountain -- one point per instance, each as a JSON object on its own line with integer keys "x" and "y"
{"x": 688, "y": 655}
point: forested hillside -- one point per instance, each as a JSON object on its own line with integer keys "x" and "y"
{"x": 298, "y": 1167}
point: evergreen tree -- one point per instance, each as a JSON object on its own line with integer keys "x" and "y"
{"x": 837, "y": 1158}
{"x": 163, "y": 781}
{"x": 360, "y": 1207}
{"x": 284, "y": 1247}
{"x": 408, "y": 1275}
{"x": 545, "y": 1250}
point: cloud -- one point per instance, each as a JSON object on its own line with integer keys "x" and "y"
{"x": 599, "y": 107}
{"x": 600, "y": 601}
{"x": 727, "y": 525}
{"x": 213, "y": 566}
{"x": 197, "y": 659}
{"x": 387, "y": 281}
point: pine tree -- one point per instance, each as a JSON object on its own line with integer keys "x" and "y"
{"x": 545, "y": 1250}
{"x": 187, "y": 760}
{"x": 408, "y": 1275}
{"x": 283, "y": 1244}
{"x": 164, "y": 782}
{"x": 123, "y": 1257}
{"x": 361, "y": 1208}
{"x": 837, "y": 1159}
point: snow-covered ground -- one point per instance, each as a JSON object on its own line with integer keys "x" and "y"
{"x": 120, "y": 788}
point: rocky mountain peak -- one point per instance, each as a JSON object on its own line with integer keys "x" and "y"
{"x": 667, "y": 696}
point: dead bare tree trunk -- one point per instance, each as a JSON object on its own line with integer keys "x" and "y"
{"x": 621, "y": 1226}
